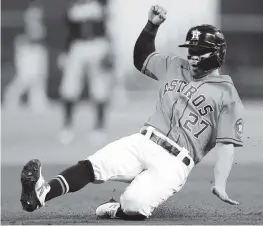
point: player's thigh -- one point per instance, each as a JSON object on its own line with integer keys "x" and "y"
{"x": 118, "y": 161}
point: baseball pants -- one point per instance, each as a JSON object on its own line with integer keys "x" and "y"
{"x": 85, "y": 58}
{"x": 153, "y": 173}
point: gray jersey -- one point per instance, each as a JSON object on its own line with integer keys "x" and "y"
{"x": 196, "y": 114}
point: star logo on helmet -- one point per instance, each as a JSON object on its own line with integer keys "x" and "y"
{"x": 195, "y": 34}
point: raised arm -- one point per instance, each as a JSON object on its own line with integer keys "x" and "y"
{"x": 145, "y": 44}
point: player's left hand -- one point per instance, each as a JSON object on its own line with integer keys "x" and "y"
{"x": 221, "y": 193}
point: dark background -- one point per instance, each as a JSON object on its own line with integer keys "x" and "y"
{"x": 241, "y": 22}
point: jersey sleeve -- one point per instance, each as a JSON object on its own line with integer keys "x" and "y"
{"x": 231, "y": 124}
{"x": 156, "y": 65}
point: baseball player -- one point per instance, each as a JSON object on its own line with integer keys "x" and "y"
{"x": 87, "y": 53}
{"x": 198, "y": 110}
{"x": 30, "y": 61}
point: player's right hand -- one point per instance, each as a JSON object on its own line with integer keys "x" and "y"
{"x": 157, "y": 14}
{"x": 221, "y": 193}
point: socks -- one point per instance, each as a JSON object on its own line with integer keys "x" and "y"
{"x": 100, "y": 112}
{"x": 72, "y": 179}
{"x": 69, "y": 107}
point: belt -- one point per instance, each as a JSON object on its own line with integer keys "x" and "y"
{"x": 166, "y": 145}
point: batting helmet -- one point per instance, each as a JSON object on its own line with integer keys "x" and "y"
{"x": 208, "y": 39}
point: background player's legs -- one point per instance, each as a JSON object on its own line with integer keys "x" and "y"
{"x": 100, "y": 113}
{"x": 101, "y": 90}
{"x": 70, "y": 90}
{"x": 68, "y": 108}
{"x": 38, "y": 93}
{"x": 101, "y": 84}
{"x": 14, "y": 91}
{"x": 68, "y": 112}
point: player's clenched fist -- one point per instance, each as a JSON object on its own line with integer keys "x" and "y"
{"x": 157, "y": 14}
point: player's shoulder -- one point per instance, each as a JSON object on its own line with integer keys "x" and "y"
{"x": 178, "y": 61}
{"x": 230, "y": 92}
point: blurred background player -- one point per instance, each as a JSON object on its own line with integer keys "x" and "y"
{"x": 88, "y": 53}
{"x": 30, "y": 62}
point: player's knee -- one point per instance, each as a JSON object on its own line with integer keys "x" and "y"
{"x": 132, "y": 205}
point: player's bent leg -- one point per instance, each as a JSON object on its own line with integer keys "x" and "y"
{"x": 154, "y": 185}
{"x": 118, "y": 161}
{"x": 72, "y": 179}
{"x": 138, "y": 197}
{"x": 131, "y": 206}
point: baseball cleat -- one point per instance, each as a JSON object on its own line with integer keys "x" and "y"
{"x": 108, "y": 210}
{"x": 34, "y": 187}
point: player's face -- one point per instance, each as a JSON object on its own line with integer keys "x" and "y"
{"x": 195, "y": 55}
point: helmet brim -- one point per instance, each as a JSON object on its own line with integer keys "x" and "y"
{"x": 193, "y": 45}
